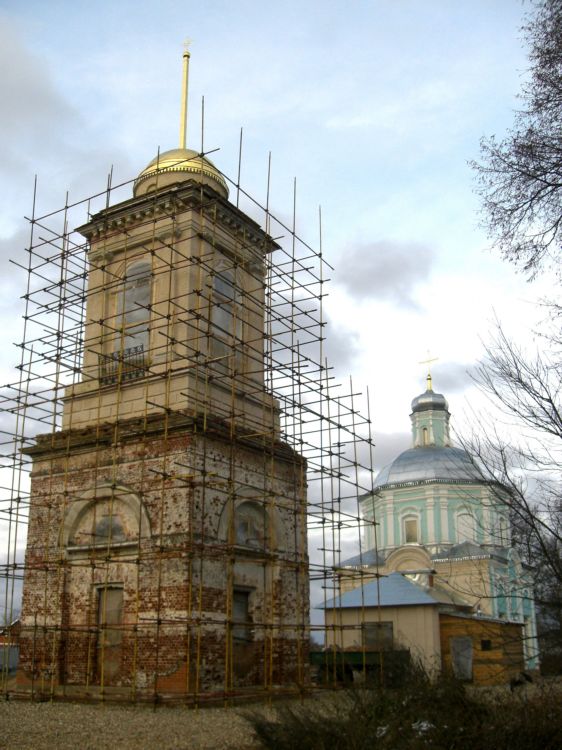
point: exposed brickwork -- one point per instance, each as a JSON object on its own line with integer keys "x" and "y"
{"x": 156, "y": 519}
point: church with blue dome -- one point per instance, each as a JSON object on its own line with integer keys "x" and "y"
{"x": 436, "y": 525}
{"x": 434, "y": 494}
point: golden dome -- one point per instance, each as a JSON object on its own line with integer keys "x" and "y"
{"x": 178, "y": 165}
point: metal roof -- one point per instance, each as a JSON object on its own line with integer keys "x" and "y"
{"x": 470, "y": 550}
{"x": 395, "y": 591}
{"x": 430, "y": 400}
{"x": 368, "y": 557}
{"x": 430, "y": 464}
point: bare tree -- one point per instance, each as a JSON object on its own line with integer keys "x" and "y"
{"x": 520, "y": 176}
{"x": 520, "y": 183}
{"x": 525, "y": 394}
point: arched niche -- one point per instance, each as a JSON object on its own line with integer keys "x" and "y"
{"x": 107, "y": 515}
{"x": 250, "y": 522}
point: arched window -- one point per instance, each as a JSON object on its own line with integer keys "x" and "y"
{"x": 134, "y": 308}
{"x": 411, "y": 529}
{"x": 425, "y": 436}
{"x": 465, "y": 527}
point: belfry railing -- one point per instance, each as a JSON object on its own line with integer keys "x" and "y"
{"x": 126, "y": 364}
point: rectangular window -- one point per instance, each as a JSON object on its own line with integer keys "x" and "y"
{"x": 378, "y": 636}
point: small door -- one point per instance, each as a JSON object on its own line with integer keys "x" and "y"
{"x": 245, "y": 651}
{"x": 461, "y": 656}
{"x": 241, "y": 632}
{"x": 110, "y": 634}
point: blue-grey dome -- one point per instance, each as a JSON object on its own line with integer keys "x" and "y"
{"x": 430, "y": 400}
{"x": 429, "y": 464}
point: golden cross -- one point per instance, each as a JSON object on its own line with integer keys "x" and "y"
{"x": 428, "y": 362}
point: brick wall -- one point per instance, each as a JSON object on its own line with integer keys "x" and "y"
{"x": 171, "y": 496}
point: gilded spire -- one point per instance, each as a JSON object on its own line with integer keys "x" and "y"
{"x": 184, "y": 92}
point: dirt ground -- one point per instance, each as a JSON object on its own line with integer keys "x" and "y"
{"x": 79, "y": 726}
{"x": 67, "y": 726}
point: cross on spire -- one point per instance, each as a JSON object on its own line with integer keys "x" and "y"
{"x": 428, "y": 362}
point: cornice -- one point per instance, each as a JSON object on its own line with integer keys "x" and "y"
{"x": 191, "y": 195}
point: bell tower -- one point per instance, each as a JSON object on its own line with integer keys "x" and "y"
{"x": 175, "y": 305}
{"x": 167, "y": 548}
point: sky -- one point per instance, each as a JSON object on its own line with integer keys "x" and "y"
{"x": 375, "y": 107}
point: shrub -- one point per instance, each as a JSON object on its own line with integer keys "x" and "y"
{"x": 441, "y": 715}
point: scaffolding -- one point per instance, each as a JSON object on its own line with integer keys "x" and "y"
{"x": 181, "y": 466}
